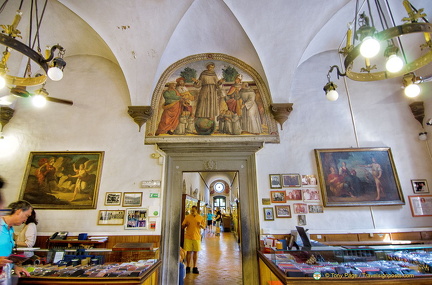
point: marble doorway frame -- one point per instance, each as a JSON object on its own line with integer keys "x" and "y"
{"x": 218, "y": 157}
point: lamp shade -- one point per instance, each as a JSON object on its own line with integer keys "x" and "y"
{"x": 55, "y": 73}
{"x": 332, "y": 95}
{"x": 370, "y": 47}
{"x": 394, "y": 63}
{"x": 412, "y": 90}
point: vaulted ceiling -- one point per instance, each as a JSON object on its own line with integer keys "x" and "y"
{"x": 144, "y": 37}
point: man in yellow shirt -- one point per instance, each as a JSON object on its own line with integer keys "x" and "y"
{"x": 193, "y": 224}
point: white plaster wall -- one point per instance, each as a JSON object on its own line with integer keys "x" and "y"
{"x": 98, "y": 121}
{"x": 382, "y": 118}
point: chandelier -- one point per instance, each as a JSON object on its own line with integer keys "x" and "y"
{"x": 371, "y": 55}
{"x": 48, "y": 63}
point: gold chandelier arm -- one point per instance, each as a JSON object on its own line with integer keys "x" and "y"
{"x": 383, "y": 36}
{"x": 29, "y": 81}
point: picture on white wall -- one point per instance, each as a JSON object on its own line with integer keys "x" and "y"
{"x": 113, "y": 198}
{"x": 420, "y": 186}
{"x": 136, "y": 219}
{"x": 358, "y": 177}
{"x": 311, "y": 195}
{"x": 62, "y": 180}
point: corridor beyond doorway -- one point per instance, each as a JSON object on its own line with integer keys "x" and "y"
{"x": 219, "y": 261}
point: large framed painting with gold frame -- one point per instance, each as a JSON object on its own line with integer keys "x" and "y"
{"x": 62, "y": 180}
{"x": 358, "y": 177}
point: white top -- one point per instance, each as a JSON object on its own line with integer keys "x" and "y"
{"x": 28, "y": 235}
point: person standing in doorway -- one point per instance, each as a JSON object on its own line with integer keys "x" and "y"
{"x": 193, "y": 223}
{"x": 210, "y": 221}
{"x": 218, "y": 220}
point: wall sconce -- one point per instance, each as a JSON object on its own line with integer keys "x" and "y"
{"x": 330, "y": 87}
{"x": 423, "y": 136}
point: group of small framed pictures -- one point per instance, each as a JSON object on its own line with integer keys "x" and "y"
{"x": 421, "y": 205}
{"x": 308, "y": 194}
{"x": 132, "y": 219}
{"x": 130, "y": 199}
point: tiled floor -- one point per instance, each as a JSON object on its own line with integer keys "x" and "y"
{"x": 219, "y": 261}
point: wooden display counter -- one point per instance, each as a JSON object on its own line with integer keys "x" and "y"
{"x": 149, "y": 277}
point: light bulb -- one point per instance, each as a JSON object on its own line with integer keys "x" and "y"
{"x": 39, "y": 101}
{"x": 332, "y": 95}
{"x": 412, "y": 90}
{"x": 394, "y": 63}
{"x": 370, "y": 47}
{"x": 2, "y": 82}
{"x": 7, "y": 100}
{"x": 55, "y": 73}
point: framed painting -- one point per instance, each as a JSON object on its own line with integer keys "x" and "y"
{"x": 283, "y": 211}
{"x": 132, "y": 199}
{"x": 358, "y": 177}
{"x": 421, "y": 205}
{"x": 136, "y": 219}
{"x": 275, "y": 181}
{"x": 277, "y": 196}
{"x": 268, "y": 214}
{"x": 300, "y": 208}
{"x": 311, "y": 195}
{"x": 301, "y": 220}
{"x": 62, "y": 180}
{"x": 291, "y": 180}
{"x": 294, "y": 194}
{"x": 315, "y": 209}
{"x": 419, "y": 186}
{"x": 113, "y": 198}
{"x": 111, "y": 217}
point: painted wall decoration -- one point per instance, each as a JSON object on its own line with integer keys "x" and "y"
{"x": 211, "y": 95}
{"x": 65, "y": 180}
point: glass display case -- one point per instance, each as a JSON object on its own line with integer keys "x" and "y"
{"x": 122, "y": 264}
{"x": 347, "y": 265}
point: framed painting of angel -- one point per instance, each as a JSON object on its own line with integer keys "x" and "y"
{"x": 62, "y": 180}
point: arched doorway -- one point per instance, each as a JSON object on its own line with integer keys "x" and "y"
{"x": 209, "y": 157}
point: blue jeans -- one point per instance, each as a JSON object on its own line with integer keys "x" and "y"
{"x": 182, "y": 271}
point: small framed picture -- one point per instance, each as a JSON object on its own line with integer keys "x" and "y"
{"x": 136, "y": 219}
{"x": 132, "y": 199}
{"x": 419, "y": 186}
{"x": 268, "y": 214}
{"x": 315, "y": 209}
{"x": 275, "y": 181}
{"x": 301, "y": 220}
{"x": 113, "y": 198}
{"x": 283, "y": 211}
{"x": 111, "y": 217}
{"x": 265, "y": 201}
{"x": 309, "y": 180}
{"x": 278, "y": 196}
{"x": 294, "y": 194}
{"x": 300, "y": 208}
{"x": 311, "y": 195}
{"x": 291, "y": 180}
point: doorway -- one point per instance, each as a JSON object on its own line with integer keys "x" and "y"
{"x": 221, "y": 156}
{"x": 220, "y": 255}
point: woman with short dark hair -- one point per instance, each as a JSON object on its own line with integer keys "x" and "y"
{"x": 20, "y": 211}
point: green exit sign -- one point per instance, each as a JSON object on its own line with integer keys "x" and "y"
{"x": 154, "y": 195}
